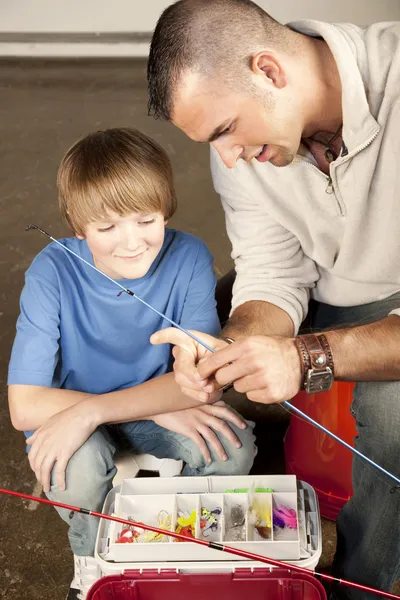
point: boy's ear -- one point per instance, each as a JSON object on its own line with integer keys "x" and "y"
{"x": 79, "y": 236}
{"x": 165, "y": 221}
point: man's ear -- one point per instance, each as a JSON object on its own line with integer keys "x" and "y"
{"x": 268, "y": 65}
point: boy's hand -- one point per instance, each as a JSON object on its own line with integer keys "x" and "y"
{"x": 198, "y": 425}
{"x": 55, "y": 442}
{"x": 188, "y": 353}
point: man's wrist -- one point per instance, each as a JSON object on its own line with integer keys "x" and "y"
{"x": 317, "y": 364}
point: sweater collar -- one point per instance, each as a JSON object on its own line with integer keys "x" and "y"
{"x": 348, "y": 48}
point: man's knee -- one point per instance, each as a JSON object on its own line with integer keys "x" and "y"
{"x": 376, "y": 408}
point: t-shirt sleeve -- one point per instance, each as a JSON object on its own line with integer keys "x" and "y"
{"x": 200, "y": 307}
{"x": 35, "y": 351}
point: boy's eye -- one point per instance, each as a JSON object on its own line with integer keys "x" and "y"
{"x": 146, "y": 222}
{"x": 106, "y": 229}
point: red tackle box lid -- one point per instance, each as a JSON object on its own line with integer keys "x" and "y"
{"x": 257, "y": 584}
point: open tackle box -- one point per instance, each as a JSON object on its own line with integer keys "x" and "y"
{"x": 142, "y": 499}
{"x": 177, "y": 571}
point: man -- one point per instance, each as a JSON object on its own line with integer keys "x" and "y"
{"x": 323, "y": 102}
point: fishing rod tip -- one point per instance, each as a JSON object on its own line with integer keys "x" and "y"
{"x": 28, "y": 227}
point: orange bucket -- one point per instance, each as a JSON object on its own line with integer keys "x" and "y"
{"x": 313, "y": 456}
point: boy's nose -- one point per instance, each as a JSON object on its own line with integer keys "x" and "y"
{"x": 132, "y": 243}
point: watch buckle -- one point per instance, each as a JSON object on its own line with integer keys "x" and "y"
{"x": 318, "y": 381}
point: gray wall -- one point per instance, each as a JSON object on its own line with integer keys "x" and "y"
{"x": 21, "y": 20}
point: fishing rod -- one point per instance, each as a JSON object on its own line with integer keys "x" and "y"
{"x": 209, "y": 544}
{"x": 288, "y": 404}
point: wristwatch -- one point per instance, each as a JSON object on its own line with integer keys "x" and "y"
{"x": 317, "y": 362}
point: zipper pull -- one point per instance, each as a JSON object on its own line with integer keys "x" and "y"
{"x": 329, "y": 187}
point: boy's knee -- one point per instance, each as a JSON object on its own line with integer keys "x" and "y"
{"x": 88, "y": 471}
{"x": 240, "y": 460}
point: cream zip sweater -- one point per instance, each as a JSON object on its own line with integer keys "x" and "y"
{"x": 297, "y": 233}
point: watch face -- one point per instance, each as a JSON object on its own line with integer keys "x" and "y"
{"x": 318, "y": 381}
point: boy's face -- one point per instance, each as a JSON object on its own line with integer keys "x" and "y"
{"x": 125, "y": 247}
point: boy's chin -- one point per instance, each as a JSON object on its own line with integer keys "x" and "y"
{"x": 133, "y": 273}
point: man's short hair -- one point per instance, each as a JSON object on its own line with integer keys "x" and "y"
{"x": 120, "y": 170}
{"x": 207, "y": 37}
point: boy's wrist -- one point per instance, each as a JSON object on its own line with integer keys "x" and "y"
{"x": 92, "y": 411}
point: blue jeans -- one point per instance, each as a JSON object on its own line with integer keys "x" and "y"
{"x": 91, "y": 470}
{"x": 368, "y": 527}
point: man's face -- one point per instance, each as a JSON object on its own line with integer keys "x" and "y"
{"x": 125, "y": 247}
{"x": 261, "y": 123}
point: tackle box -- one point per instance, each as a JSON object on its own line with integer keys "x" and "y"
{"x": 176, "y": 570}
{"x": 262, "y": 584}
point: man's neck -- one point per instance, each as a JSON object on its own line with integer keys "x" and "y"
{"x": 323, "y": 98}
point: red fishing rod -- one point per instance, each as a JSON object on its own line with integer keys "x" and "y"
{"x": 213, "y": 545}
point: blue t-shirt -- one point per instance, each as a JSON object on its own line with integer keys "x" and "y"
{"x": 75, "y": 332}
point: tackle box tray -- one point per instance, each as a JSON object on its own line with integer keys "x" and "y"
{"x": 143, "y": 499}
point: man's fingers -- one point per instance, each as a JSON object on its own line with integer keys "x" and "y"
{"x": 219, "y": 359}
{"x": 202, "y": 397}
{"x": 262, "y": 397}
{"x": 237, "y": 370}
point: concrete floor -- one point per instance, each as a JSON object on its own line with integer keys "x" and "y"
{"x": 44, "y": 107}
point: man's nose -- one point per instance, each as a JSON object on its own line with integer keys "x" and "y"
{"x": 229, "y": 154}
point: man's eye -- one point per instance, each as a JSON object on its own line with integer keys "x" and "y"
{"x": 226, "y": 130}
{"x": 103, "y": 230}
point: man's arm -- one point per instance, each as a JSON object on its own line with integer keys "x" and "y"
{"x": 32, "y": 406}
{"x": 258, "y": 318}
{"x": 267, "y": 368}
{"x": 367, "y": 352}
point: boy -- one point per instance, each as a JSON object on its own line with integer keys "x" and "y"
{"x": 83, "y": 376}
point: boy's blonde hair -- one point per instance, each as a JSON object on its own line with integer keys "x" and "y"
{"x": 120, "y": 170}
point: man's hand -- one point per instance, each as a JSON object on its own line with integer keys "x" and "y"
{"x": 188, "y": 353}
{"x": 198, "y": 425}
{"x": 56, "y": 442}
{"x": 265, "y": 368}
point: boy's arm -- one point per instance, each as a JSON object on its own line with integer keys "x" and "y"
{"x": 57, "y": 440}
{"x": 31, "y": 406}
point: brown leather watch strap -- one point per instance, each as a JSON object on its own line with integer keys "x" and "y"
{"x": 315, "y": 351}
{"x": 328, "y": 351}
{"x": 304, "y": 357}
{"x": 316, "y": 361}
